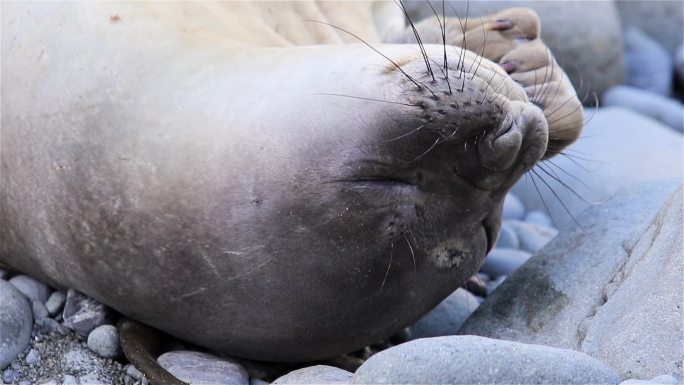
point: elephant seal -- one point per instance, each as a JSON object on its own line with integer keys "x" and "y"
{"x": 264, "y": 186}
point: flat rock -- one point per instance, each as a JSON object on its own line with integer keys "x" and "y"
{"x": 319, "y": 374}
{"x": 15, "y": 323}
{"x": 618, "y": 148}
{"x": 585, "y": 36}
{"x": 665, "y": 110}
{"x": 611, "y": 289}
{"x": 478, "y": 360}
{"x": 33, "y": 289}
{"x": 447, "y": 317}
{"x": 197, "y": 368}
{"x": 83, "y": 314}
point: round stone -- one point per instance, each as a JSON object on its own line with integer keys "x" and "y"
{"x": 504, "y": 261}
{"x": 15, "y": 323}
{"x": 513, "y": 207}
{"x": 539, "y": 218}
{"x": 33, "y": 289}
{"x": 104, "y": 340}
{"x": 508, "y": 239}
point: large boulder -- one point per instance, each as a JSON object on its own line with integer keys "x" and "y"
{"x": 610, "y": 288}
{"x": 585, "y": 36}
{"x": 618, "y": 148}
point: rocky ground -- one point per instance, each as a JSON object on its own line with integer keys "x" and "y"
{"x": 598, "y": 299}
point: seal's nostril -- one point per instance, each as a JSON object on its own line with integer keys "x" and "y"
{"x": 500, "y": 148}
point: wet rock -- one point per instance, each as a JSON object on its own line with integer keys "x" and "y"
{"x": 649, "y": 65}
{"x": 598, "y": 165}
{"x": 319, "y": 374}
{"x": 447, "y": 317}
{"x": 202, "y": 368}
{"x": 82, "y": 314}
{"x": 104, "y": 340}
{"x": 477, "y": 360}
{"x": 611, "y": 289}
{"x": 33, "y": 289}
{"x": 15, "y": 323}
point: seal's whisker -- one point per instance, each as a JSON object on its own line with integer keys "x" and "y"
{"x": 545, "y": 79}
{"x": 405, "y": 135}
{"x": 413, "y": 255}
{"x": 368, "y": 99}
{"x": 461, "y": 54}
{"x": 484, "y": 43}
{"x": 572, "y": 97}
{"x": 542, "y": 198}
{"x": 570, "y": 158}
{"x": 551, "y": 162}
{"x": 565, "y": 185}
{"x": 464, "y": 45}
{"x": 409, "y": 77}
{"x": 388, "y": 266}
{"x": 428, "y": 150}
{"x": 551, "y": 76}
{"x": 543, "y": 96}
{"x": 566, "y": 154}
{"x": 442, "y": 27}
{"x": 559, "y": 199}
{"x": 400, "y": 3}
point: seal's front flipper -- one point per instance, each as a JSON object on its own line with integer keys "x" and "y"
{"x": 141, "y": 344}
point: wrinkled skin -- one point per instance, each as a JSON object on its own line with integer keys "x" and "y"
{"x": 251, "y": 192}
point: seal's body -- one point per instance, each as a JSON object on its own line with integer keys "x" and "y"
{"x": 210, "y": 176}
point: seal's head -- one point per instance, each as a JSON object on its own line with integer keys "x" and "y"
{"x": 397, "y": 204}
